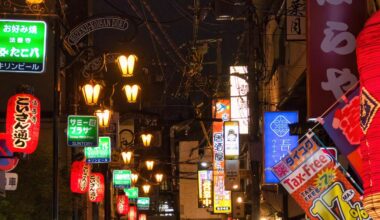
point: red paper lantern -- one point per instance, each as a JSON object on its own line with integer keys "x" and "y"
{"x": 23, "y": 123}
{"x": 368, "y": 57}
{"x": 80, "y": 176}
{"x": 96, "y": 190}
{"x": 132, "y": 214}
{"x": 122, "y": 204}
{"x": 142, "y": 216}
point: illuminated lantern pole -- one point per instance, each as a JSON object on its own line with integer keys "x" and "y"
{"x": 96, "y": 190}
{"x": 122, "y": 204}
{"x": 368, "y": 59}
{"x": 23, "y": 123}
{"x": 80, "y": 176}
{"x": 132, "y": 214}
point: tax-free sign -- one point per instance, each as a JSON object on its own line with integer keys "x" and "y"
{"x": 23, "y": 46}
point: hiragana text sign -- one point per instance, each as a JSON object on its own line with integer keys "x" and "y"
{"x": 23, "y": 46}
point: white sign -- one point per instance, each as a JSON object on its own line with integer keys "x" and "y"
{"x": 11, "y": 181}
{"x": 231, "y": 139}
{"x": 239, "y": 100}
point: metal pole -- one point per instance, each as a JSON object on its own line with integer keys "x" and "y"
{"x": 255, "y": 144}
{"x": 56, "y": 111}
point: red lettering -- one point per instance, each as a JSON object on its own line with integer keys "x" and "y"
{"x": 287, "y": 182}
{"x": 317, "y": 164}
{"x": 323, "y": 159}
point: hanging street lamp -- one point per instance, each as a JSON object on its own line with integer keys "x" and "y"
{"x": 146, "y": 188}
{"x": 34, "y": 2}
{"x": 104, "y": 117}
{"x": 146, "y": 139}
{"x": 126, "y": 64}
{"x": 149, "y": 164}
{"x": 131, "y": 92}
{"x": 127, "y": 157}
{"x": 91, "y": 92}
{"x": 134, "y": 177}
{"x": 159, "y": 177}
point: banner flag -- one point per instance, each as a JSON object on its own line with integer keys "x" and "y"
{"x": 318, "y": 183}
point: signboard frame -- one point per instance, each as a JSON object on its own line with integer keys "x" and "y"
{"x": 72, "y": 142}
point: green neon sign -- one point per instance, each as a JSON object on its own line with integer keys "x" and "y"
{"x": 122, "y": 178}
{"x": 132, "y": 193}
{"x": 23, "y": 46}
{"x": 101, "y": 153}
{"x": 143, "y": 203}
{"x": 82, "y": 131}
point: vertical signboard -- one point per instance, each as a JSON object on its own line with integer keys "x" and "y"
{"x": 205, "y": 188}
{"x": 277, "y": 140}
{"x": 239, "y": 100}
{"x": 99, "y": 154}
{"x": 82, "y": 131}
{"x": 23, "y": 46}
{"x": 317, "y": 182}
{"x": 222, "y": 198}
{"x": 332, "y": 30}
{"x": 121, "y": 178}
{"x": 295, "y": 19}
{"x": 231, "y": 140}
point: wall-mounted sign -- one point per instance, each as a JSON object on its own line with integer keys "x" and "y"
{"x": 23, "y": 46}
{"x": 82, "y": 131}
{"x": 23, "y": 123}
{"x": 277, "y": 140}
{"x": 332, "y": 30}
{"x": 295, "y": 19}
{"x": 143, "y": 203}
{"x": 132, "y": 193}
{"x": 316, "y": 181}
{"x": 239, "y": 100}
{"x": 101, "y": 153}
{"x": 11, "y": 181}
{"x": 121, "y": 178}
{"x": 80, "y": 176}
{"x": 221, "y": 109}
{"x": 205, "y": 188}
{"x": 232, "y": 176}
{"x": 231, "y": 140}
{"x": 96, "y": 187}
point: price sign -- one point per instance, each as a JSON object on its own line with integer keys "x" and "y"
{"x": 82, "y": 131}
{"x": 100, "y": 154}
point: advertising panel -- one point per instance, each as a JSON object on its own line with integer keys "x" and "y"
{"x": 82, "y": 131}
{"x": 23, "y": 46}
{"x": 205, "y": 188}
{"x": 121, "y": 178}
{"x": 143, "y": 203}
{"x": 239, "y": 100}
{"x": 277, "y": 140}
{"x": 231, "y": 140}
{"x": 332, "y": 30}
{"x": 132, "y": 193}
{"x": 222, "y": 198}
{"x": 99, "y": 154}
{"x": 318, "y": 183}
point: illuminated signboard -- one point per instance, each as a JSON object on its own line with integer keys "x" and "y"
{"x": 239, "y": 100}
{"x": 101, "y": 153}
{"x": 23, "y": 46}
{"x": 132, "y": 193}
{"x": 205, "y": 188}
{"x": 277, "y": 140}
{"x": 143, "y": 203}
{"x": 222, "y": 198}
{"x": 82, "y": 131}
{"x": 122, "y": 178}
{"x": 231, "y": 140}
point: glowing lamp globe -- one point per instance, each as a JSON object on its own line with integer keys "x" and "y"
{"x": 91, "y": 92}
{"x": 134, "y": 178}
{"x": 131, "y": 92}
{"x": 146, "y": 139}
{"x": 146, "y": 188}
{"x": 104, "y": 117}
{"x": 159, "y": 177}
{"x": 126, "y": 64}
{"x": 149, "y": 164}
{"x": 80, "y": 176}
{"x": 127, "y": 157}
{"x": 35, "y": 1}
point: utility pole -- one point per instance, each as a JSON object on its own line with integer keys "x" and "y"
{"x": 253, "y": 101}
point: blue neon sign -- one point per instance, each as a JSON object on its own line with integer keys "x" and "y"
{"x": 277, "y": 140}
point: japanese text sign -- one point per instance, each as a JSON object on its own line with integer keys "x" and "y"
{"x": 239, "y": 96}
{"x": 23, "y": 46}
{"x": 122, "y": 178}
{"x": 82, "y": 131}
{"x": 205, "y": 188}
{"x": 221, "y": 109}
{"x": 101, "y": 153}
{"x": 342, "y": 124}
{"x": 96, "y": 187}
{"x": 23, "y": 123}
{"x": 295, "y": 19}
{"x": 332, "y": 29}
{"x": 277, "y": 140}
{"x": 132, "y": 193}
{"x": 318, "y": 184}
{"x": 143, "y": 203}
{"x": 231, "y": 140}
